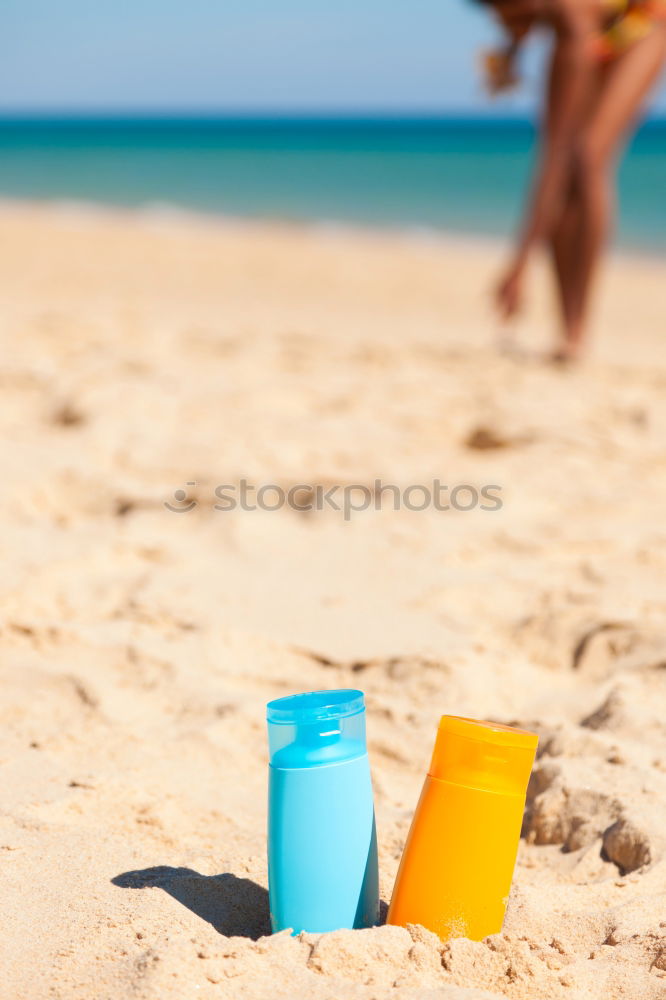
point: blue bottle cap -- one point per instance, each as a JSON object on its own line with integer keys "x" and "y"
{"x": 315, "y": 706}
{"x": 319, "y": 727}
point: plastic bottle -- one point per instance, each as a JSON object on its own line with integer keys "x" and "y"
{"x": 456, "y": 869}
{"x": 322, "y": 846}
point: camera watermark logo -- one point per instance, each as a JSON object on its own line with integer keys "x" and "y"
{"x": 184, "y": 502}
{"x": 344, "y": 498}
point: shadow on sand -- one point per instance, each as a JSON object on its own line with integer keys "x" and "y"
{"x": 236, "y": 907}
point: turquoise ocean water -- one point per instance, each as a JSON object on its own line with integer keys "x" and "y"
{"x": 457, "y": 175}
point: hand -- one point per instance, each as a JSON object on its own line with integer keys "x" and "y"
{"x": 499, "y": 70}
{"x": 509, "y": 292}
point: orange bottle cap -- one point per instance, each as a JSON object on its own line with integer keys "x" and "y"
{"x": 484, "y": 755}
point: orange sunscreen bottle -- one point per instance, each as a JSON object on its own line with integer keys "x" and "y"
{"x": 456, "y": 869}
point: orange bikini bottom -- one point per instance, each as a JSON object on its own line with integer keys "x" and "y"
{"x": 630, "y": 20}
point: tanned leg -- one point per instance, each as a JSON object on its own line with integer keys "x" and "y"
{"x": 565, "y": 237}
{"x": 564, "y": 244}
{"x": 623, "y": 89}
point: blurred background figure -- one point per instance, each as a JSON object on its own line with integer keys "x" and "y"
{"x": 606, "y": 57}
{"x": 375, "y": 116}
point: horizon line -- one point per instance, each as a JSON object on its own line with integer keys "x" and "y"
{"x": 269, "y": 114}
{"x": 277, "y": 114}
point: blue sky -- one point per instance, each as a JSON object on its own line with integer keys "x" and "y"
{"x": 248, "y": 55}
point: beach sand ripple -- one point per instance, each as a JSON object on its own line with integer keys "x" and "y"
{"x": 143, "y": 356}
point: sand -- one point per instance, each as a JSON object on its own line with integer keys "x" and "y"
{"x": 143, "y": 352}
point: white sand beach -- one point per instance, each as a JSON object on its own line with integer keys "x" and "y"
{"x": 142, "y": 353}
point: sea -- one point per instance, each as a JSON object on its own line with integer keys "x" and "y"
{"x": 452, "y": 175}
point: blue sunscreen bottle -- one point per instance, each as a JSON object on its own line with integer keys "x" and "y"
{"x": 322, "y": 845}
